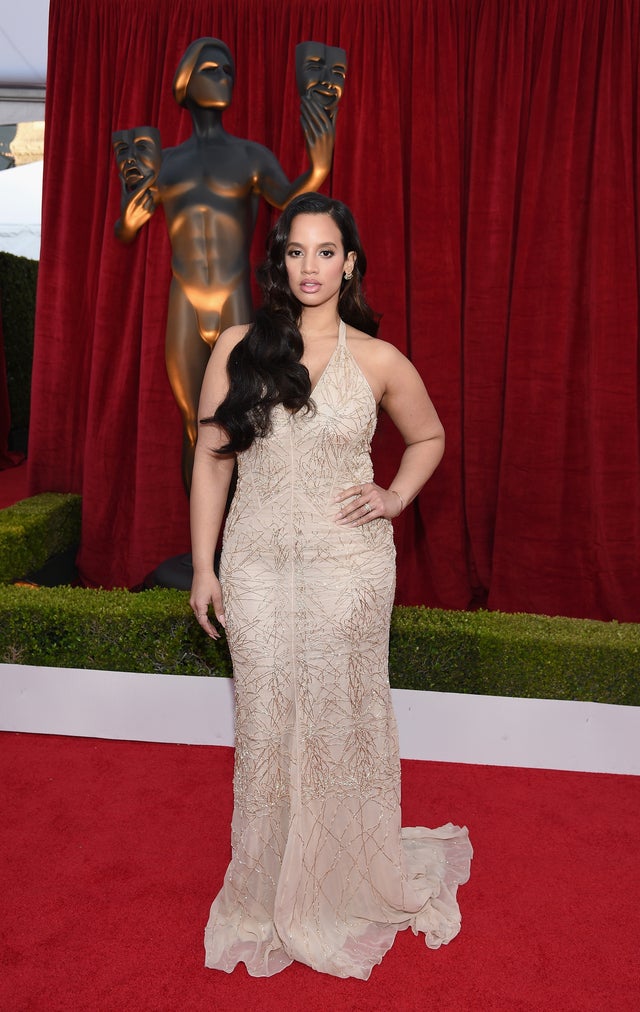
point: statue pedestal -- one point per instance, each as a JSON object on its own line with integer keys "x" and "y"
{"x": 175, "y": 572}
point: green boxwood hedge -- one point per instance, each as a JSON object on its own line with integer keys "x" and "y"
{"x": 111, "y": 630}
{"x": 531, "y": 656}
{"x": 18, "y": 283}
{"x": 486, "y": 653}
{"x": 36, "y": 529}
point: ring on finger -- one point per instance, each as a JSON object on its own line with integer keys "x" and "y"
{"x": 367, "y": 507}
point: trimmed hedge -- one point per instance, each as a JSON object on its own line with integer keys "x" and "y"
{"x": 487, "y": 653}
{"x": 531, "y": 656}
{"x": 111, "y": 630}
{"x": 34, "y": 530}
{"x": 18, "y": 282}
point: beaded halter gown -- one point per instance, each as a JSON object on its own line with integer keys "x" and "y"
{"x": 321, "y": 871}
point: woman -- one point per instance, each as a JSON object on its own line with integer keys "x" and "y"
{"x": 321, "y": 871}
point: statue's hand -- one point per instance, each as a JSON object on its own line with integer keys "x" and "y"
{"x": 136, "y": 208}
{"x": 319, "y": 132}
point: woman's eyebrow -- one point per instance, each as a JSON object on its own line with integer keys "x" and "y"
{"x": 300, "y": 245}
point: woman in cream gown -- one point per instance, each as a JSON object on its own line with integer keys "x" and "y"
{"x": 321, "y": 870}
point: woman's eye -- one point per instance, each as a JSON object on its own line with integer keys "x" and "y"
{"x": 293, "y": 253}
{"x": 326, "y": 253}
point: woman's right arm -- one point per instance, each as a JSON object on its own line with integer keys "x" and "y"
{"x": 210, "y": 485}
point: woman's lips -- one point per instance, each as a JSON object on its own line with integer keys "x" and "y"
{"x": 310, "y": 286}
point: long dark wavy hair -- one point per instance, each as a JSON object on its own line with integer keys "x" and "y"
{"x": 264, "y": 367}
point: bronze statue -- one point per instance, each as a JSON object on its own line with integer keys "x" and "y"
{"x": 210, "y": 187}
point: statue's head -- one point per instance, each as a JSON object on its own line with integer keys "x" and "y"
{"x": 321, "y": 72}
{"x": 138, "y": 154}
{"x": 205, "y": 75}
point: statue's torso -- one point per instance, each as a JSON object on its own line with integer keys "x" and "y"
{"x": 210, "y": 192}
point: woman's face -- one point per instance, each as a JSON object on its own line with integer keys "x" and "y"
{"x": 315, "y": 259}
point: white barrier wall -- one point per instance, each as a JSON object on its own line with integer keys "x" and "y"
{"x": 445, "y": 727}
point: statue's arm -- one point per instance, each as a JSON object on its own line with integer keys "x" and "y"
{"x": 319, "y": 132}
{"x": 135, "y": 210}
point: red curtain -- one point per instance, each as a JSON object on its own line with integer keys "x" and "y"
{"x": 490, "y": 153}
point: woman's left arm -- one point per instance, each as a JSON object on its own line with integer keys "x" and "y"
{"x": 406, "y": 401}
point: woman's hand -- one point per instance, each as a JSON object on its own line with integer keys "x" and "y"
{"x": 205, "y": 591}
{"x": 365, "y": 502}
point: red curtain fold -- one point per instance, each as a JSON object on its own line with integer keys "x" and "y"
{"x": 490, "y": 154}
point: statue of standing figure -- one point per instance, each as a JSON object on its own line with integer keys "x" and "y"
{"x": 210, "y": 187}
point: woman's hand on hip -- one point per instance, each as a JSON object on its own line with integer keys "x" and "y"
{"x": 359, "y": 504}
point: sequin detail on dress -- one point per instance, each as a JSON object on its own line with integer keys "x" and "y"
{"x": 321, "y": 871}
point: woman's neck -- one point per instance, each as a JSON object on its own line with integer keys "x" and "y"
{"x": 319, "y": 321}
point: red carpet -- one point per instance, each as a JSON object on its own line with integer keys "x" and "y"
{"x": 112, "y": 852}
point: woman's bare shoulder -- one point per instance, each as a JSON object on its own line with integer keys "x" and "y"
{"x": 378, "y": 360}
{"x": 375, "y": 348}
{"x": 232, "y": 335}
{"x": 228, "y": 339}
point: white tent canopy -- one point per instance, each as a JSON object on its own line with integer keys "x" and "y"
{"x": 23, "y": 43}
{"x": 23, "y": 60}
{"x": 20, "y": 210}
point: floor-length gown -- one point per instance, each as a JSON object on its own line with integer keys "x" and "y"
{"x": 321, "y": 871}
